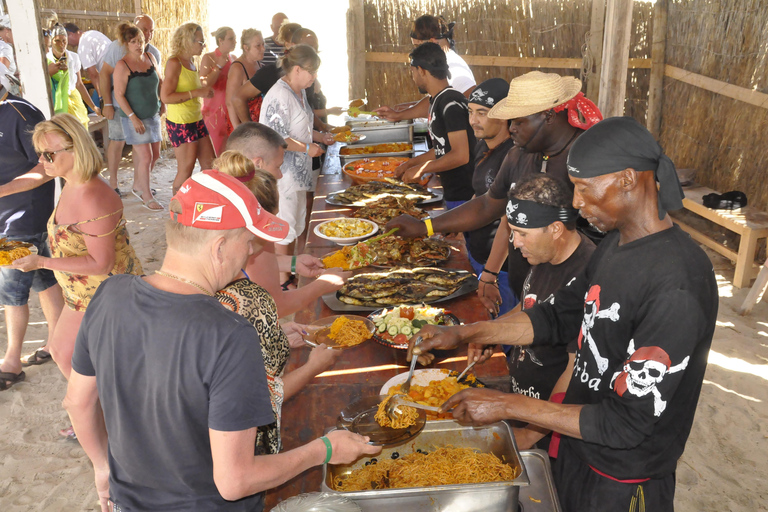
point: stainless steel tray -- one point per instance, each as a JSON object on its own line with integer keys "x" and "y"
{"x": 541, "y": 495}
{"x": 345, "y": 159}
{"x": 488, "y": 497}
{"x": 389, "y": 132}
{"x": 437, "y": 196}
{"x": 332, "y": 300}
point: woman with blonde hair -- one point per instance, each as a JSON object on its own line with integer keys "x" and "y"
{"x": 261, "y": 81}
{"x": 86, "y": 232}
{"x": 67, "y": 86}
{"x": 255, "y": 304}
{"x": 240, "y": 73}
{"x": 287, "y": 111}
{"x": 181, "y": 92}
{"x": 214, "y": 70}
{"x": 137, "y": 91}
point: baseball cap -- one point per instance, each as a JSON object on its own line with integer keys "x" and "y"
{"x": 217, "y": 201}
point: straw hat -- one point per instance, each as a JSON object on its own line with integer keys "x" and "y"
{"x": 535, "y": 92}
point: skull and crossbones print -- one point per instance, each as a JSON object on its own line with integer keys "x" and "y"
{"x": 592, "y": 312}
{"x": 643, "y": 371}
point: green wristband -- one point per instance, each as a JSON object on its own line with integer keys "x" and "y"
{"x": 328, "y": 449}
{"x": 293, "y": 265}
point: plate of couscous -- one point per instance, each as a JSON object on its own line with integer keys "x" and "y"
{"x": 346, "y": 231}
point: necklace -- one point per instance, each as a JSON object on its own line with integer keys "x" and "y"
{"x": 185, "y": 281}
{"x": 547, "y": 157}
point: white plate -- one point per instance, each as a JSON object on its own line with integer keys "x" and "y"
{"x": 346, "y": 241}
{"x": 420, "y": 378}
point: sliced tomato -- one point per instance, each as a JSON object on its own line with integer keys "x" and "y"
{"x": 401, "y": 339}
{"x": 406, "y": 313}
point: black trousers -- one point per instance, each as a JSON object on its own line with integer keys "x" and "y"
{"x": 581, "y": 489}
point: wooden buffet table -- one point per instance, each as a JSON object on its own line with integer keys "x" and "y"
{"x": 360, "y": 371}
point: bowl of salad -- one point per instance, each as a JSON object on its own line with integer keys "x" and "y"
{"x": 395, "y": 326}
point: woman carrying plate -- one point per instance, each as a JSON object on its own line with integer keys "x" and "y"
{"x": 255, "y": 304}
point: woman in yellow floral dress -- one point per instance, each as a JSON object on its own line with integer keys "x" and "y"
{"x": 86, "y": 232}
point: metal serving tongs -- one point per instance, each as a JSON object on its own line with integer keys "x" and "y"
{"x": 406, "y": 387}
{"x": 393, "y": 410}
{"x": 469, "y": 367}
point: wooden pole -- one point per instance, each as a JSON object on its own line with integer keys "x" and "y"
{"x": 595, "y": 48}
{"x": 613, "y": 73}
{"x": 30, "y": 57}
{"x": 658, "y": 63}
{"x": 137, "y": 6}
{"x": 356, "y": 48}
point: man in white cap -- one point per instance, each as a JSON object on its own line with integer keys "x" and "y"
{"x": 168, "y": 388}
{"x": 91, "y": 46}
{"x": 26, "y": 203}
{"x": 545, "y": 110}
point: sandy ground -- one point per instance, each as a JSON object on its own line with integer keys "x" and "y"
{"x": 723, "y": 468}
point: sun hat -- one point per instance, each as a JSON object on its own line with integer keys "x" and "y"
{"x": 535, "y": 92}
{"x": 217, "y": 201}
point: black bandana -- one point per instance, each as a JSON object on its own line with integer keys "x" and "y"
{"x": 427, "y": 66}
{"x": 530, "y": 214}
{"x": 490, "y": 92}
{"x": 618, "y": 143}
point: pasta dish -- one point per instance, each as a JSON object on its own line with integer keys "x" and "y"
{"x": 406, "y": 418}
{"x": 442, "y": 466}
{"x": 348, "y": 333}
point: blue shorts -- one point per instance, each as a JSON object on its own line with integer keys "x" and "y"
{"x": 116, "y": 128}
{"x": 15, "y": 284}
{"x": 151, "y": 131}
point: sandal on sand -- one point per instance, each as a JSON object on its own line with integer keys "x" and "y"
{"x": 39, "y": 356}
{"x": 69, "y": 433}
{"x": 154, "y": 205}
{"x": 8, "y": 379}
{"x": 138, "y": 194}
{"x": 290, "y": 284}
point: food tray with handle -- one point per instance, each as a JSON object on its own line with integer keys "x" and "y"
{"x": 345, "y": 159}
{"x": 496, "y": 438}
{"x": 389, "y": 132}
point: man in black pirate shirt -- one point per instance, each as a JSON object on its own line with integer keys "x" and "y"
{"x": 493, "y": 143}
{"x": 546, "y": 112}
{"x": 453, "y": 142}
{"x": 643, "y": 311}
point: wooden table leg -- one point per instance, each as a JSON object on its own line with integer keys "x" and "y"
{"x": 756, "y": 292}
{"x": 743, "y": 274}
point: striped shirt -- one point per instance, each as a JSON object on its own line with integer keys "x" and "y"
{"x": 272, "y": 51}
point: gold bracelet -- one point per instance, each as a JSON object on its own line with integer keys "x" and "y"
{"x": 428, "y": 223}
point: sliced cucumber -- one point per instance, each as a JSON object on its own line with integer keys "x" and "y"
{"x": 406, "y": 329}
{"x": 381, "y": 327}
{"x": 392, "y": 330}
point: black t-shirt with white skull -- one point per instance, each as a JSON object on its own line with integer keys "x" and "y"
{"x": 533, "y": 371}
{"x": 448, "y": 112}
{"x": 644, "y": 315}
{"x": 487, "y": 164}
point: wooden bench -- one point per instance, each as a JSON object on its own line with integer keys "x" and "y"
{"x": 733, "y": 220}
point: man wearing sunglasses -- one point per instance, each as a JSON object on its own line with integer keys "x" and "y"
{"x": 26, "y": 203}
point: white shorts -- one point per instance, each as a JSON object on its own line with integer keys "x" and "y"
{"x": 293, "y": 208}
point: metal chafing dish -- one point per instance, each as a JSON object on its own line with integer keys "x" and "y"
{"x": 377, "y": 131}
{"x": 488, "y": 497}
{"x": 345, "y": 159}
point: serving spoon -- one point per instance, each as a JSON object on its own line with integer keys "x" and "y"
{"x": 406, "y": 387}
{"x": 393, "y": 410}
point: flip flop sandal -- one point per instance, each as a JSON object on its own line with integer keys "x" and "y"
{"x": 290, "y": 284}
{"x": 39, "y": 356}
{"x": 139, "y": 195}
{"x": 69, "y": 433}
{"x": 159, "y": 208}
{"x": 8, "y": 379}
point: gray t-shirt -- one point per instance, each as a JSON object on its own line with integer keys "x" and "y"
{"x": 168, "y": 367}
{"x": 116, "y": 51}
